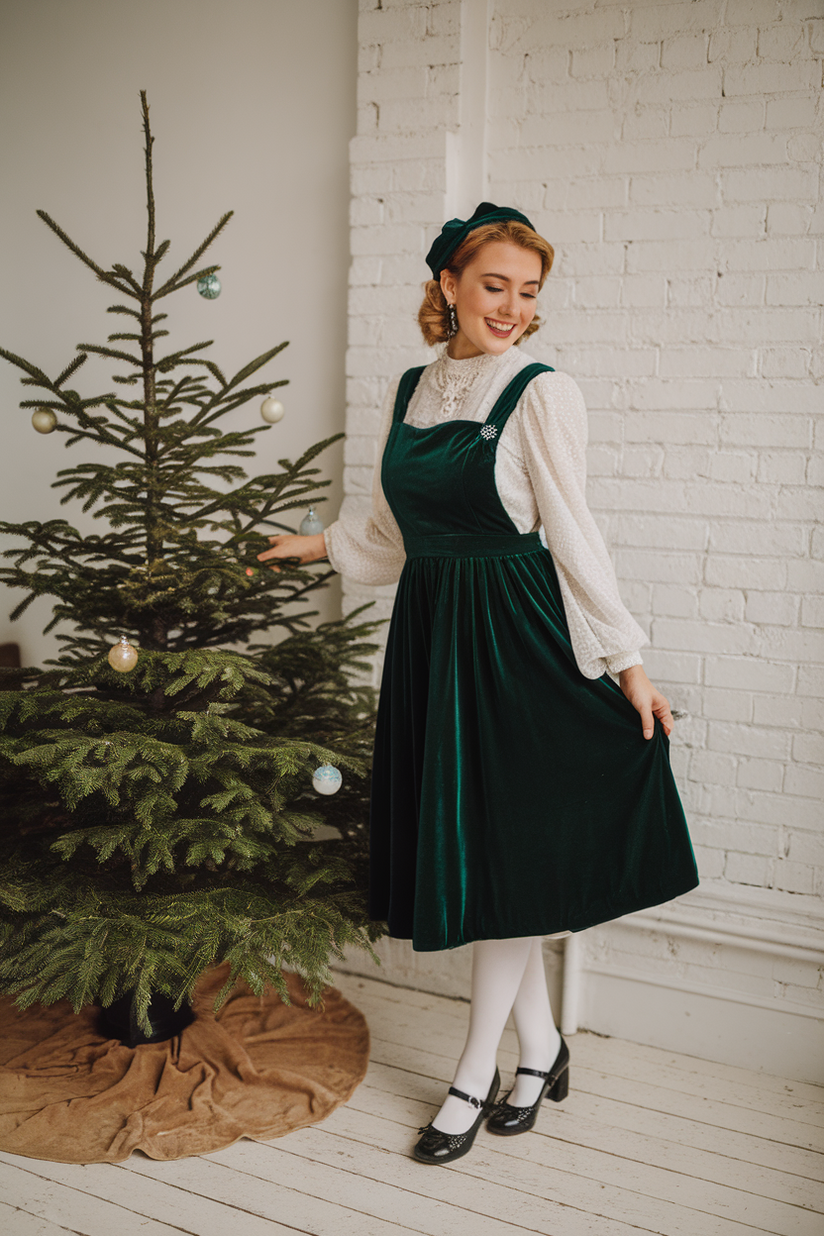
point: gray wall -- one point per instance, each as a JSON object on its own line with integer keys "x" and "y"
{"x": 253, "y": 106}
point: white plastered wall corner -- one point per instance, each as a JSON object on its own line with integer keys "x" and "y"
{"x": 672, "y": 154}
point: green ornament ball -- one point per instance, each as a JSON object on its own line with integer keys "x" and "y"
{"x": 209, "y": 286}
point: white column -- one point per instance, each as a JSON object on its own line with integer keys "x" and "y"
{"x": 466, "y": 171}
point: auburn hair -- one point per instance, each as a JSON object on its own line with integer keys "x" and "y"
{"x": 433, "y": 318}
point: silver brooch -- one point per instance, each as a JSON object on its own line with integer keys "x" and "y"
{"x": 488, "y": 432}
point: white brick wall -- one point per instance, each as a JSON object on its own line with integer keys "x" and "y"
{"x": 409, "y": 99}
{"x": 671, "y": 152}
{"x": 682, "y": 142}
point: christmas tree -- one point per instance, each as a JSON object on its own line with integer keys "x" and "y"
{"x": 158, "y": 817}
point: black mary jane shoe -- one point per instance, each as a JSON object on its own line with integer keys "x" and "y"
{"x": 508, "y": 1120}
{"x": 438, "y": 1147}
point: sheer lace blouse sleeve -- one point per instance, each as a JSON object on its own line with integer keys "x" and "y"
{"x": 367, "y": 544}
{"x": 553, "y": 424}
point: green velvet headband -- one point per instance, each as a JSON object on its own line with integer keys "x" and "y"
{"x": 455, "y": 232}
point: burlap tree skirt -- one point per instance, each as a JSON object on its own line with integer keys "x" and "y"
{"x": 258, "y": 1069}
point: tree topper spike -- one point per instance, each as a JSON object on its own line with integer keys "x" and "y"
{"x": 150, "y": 202}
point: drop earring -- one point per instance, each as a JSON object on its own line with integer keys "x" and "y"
{"x": 453, "y": 320}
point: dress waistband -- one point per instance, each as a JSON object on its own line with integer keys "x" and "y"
{"x": 472, "y": 545}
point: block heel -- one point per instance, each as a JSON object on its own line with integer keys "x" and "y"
{"x": 508, "y": 1120}
{"x": 560, "y": 1089}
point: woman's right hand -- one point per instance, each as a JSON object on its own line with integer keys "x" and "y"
{"x": 288, "y": 545}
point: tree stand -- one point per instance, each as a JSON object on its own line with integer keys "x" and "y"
{"x": 72, "y": 1093}
{"x": 119, "y": 1020}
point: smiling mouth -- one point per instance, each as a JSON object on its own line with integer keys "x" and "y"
{"x": 502, "y": 329}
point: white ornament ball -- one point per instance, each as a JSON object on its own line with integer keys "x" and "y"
{"x": 272, "y": 410}
{"x": 327, "y": 779}
{"x": 44, "y": 420}
{"x": 122, "y": 656}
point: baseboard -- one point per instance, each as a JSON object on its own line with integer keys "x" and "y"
{"x": 726, "y": 973}
{"x": 709, "y": 1025}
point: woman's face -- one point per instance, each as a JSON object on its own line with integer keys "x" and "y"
{"x": 494, "y": 298}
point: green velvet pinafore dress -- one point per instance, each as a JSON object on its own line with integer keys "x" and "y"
{"x": 511, "y": 796}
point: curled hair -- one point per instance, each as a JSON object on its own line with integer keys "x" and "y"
{"x": 432, "y": 315}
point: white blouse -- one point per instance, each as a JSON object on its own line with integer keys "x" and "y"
{"x": 540, "y": 474}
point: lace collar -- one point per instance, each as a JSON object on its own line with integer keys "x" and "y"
{"x": 453, "y": 378}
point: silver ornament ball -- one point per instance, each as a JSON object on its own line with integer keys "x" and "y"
{"x": 310, "y": 525}
{"x": 44, "y": 420}
{"x": 327, "y": 779}
{"x": 272, "y": 410}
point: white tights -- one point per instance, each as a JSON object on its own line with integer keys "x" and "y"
{"x": 507, "y": 976}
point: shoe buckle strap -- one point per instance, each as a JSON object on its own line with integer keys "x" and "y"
{"x": 536, "y": 1073}
{"x": 468, "y": 1098}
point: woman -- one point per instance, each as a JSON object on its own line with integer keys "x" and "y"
{"x": 517, "y": 790}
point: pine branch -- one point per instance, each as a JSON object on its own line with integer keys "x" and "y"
{"x": 112, "y": 353}
{"x": 71, "y": 368}
{"x": 36, "y": 376}
{"x": 177, "y": 389}
{"x": 98, "y": 436}
{"x": 173, "y": 284}
{"x": 103, "y": 275}
{"x": 239, "y": 377}
{"x": 236, "y": 401}
{"x": 215, "y": 371}
{"x": 167, "y": 363}
{"x": 253, "y": 366}
{"x": 117, "y": 409}
{"x": 119, "y": 269}
{"x": 133, "y": 313}
{"x": 133, "y": 336}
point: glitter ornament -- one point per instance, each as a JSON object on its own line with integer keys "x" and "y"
{"x": 272, "y": 410}
{"x": 44, "y": 420}
{"x": 209, "y": 286}
{"x": 327, "y": 779}
{"x": 122, "y": 656}
{"x": 310, "y": 525}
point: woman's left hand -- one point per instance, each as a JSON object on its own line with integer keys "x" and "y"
{"x": 646, "y": 699}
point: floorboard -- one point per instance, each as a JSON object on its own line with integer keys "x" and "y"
{"x": 649, "y": 1141}
{"x": 569, "y": 1134}
{"x": 434, "y": 1072}
{"x": 24, "y": 1224}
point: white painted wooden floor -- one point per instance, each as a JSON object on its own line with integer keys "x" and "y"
{"x": 647, "y": 1141}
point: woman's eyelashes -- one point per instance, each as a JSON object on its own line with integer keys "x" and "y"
{"x": 525, "y": 295}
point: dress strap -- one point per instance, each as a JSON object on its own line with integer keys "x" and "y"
{"x": 406, "y": 389}
{"x": 509, "y": 396}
